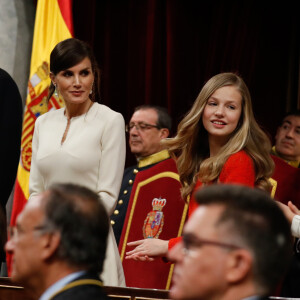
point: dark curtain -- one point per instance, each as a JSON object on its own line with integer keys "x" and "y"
{"x": 162, "y": 52}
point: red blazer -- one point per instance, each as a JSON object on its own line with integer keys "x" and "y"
{"x": 238, "y": 169}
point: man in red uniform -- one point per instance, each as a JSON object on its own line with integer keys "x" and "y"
{"x": 286, "y": 156}
{"x": 148, "y": 125}
{"x": 150, "y": 204}
{"x": 287, "y": 139}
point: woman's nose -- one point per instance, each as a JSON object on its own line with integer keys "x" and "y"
{"x": 76, "y": 80}
{"x": 219, "y": 110}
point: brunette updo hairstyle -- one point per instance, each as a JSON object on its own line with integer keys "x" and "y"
{"x": 69, "y": 53}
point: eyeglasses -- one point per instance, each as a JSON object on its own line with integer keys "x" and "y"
{"x": 140, "y": 126}
{"x": 14, "y": 232}
{"x": 190, "y": 241}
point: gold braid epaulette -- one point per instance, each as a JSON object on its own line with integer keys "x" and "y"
{"x": 77, "y": 283}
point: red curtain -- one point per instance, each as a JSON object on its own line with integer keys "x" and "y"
{"x": 162, "y": 52}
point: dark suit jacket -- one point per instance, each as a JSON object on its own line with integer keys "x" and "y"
{"x": 11, "y": 111}
{"x": 83, "y": 292}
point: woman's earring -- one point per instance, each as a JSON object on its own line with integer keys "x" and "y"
{"x": 55, "y": 91}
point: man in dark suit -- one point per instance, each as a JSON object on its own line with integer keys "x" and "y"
{"x": 59, "y": 243}
{"x": 11, "y": 111}
{"x": 236, "y": 245}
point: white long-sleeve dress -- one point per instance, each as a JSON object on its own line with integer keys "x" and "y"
{"x": 92, "y": 155}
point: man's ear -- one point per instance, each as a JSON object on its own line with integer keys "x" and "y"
{"x": 239, "y": 265}
{"x": 50, "y": 243}
{"x": 164, "y": 133}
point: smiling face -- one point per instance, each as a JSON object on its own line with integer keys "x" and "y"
{"x": 288, "y": 138}
{"x": 222, "y": 113}
{"x": 74, "y": 84}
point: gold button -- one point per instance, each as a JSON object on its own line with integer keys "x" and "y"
{"x": 125, "y": 192}
{"x": 120, "y": 201}
{"x": 112, "y": 222}
{"x": 116, "y": 212}
{"x": 135, "y": 171}
{"x": 130, "y": 181}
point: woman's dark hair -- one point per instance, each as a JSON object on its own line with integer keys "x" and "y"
{"x": 69, "y": 53}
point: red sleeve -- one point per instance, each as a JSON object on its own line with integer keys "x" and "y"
{"x": 238, "y": 169}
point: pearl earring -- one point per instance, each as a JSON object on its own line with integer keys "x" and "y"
{"x": 55, "y": 91}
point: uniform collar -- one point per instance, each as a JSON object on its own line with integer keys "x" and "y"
{"x": 293, "y": 163}
{"x": 153, "y": 158}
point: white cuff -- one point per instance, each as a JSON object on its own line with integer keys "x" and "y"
{"x": 295, "y": 228}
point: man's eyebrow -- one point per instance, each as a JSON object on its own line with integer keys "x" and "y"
{"x": 286, "y": 121}
{"x": 289, "y": 123}
{"x": 190, "y": 235}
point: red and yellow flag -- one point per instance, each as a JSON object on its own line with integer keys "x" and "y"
{"x": 53, "y": 23}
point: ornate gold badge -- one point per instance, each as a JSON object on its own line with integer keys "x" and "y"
{"x": 154, "y": 221}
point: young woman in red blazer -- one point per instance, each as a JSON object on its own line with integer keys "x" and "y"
{"x": 218, "y": 140}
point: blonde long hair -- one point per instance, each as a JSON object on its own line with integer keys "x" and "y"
{"x": 190, "y": 146}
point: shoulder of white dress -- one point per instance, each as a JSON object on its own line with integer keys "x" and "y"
{"x": 52, "y": 114}
{"x": 107, "y": 111}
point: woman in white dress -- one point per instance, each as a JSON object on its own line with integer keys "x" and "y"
{"x": 82, "y": 143}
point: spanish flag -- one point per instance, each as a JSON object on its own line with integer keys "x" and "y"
{"x": 53, "y": 23}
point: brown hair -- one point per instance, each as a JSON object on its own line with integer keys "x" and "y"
{"x": 69, "y": 53}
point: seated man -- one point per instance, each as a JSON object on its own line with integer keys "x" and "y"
{"x": 236, "y": 245}
{"x": 287, "y": 139}
{"x": 286, "y": 156}
{"x": 59, "y": 244}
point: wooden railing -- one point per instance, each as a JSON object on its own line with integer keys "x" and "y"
{"x": 11, "y": 291}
